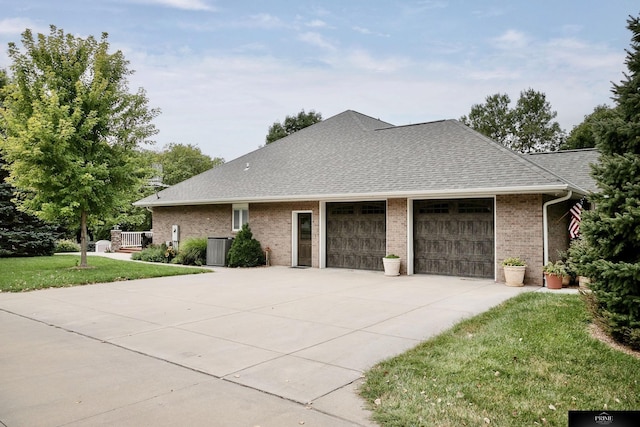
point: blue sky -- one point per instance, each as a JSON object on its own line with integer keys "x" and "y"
{"x": 223, "y": 71}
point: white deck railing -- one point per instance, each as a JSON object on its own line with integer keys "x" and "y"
{"x": 133, "y": 239}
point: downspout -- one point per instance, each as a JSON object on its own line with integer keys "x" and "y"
{"x": 545, "y": 223}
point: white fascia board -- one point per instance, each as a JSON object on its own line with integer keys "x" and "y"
{"x": 434, "y": 194}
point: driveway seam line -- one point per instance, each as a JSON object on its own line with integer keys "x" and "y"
{"x": 101, "y": 341}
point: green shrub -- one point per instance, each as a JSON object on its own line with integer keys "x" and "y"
{"x": 555, "y": 268}
{"x": 578, "y": 256}
{"x": 192, "y": 252}
{"x": 155, "y": 253}
{"x": 513, "y": 262}
{"x": 245, "y": 251}
{"x": 66, "y": 245}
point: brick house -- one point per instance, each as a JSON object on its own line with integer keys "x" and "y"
{"x": 350, "y": 189}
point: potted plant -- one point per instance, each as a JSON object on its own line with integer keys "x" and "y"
{"x": 578, "y": 249}
{"x": 553, "y": 272}
{"x": 514, "y": 269}
{"x": 569, "y": 272}
{"x": 391, "y": 265}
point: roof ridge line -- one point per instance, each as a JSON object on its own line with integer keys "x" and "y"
{"x": 572, "y": 150}
{"x": 416, "y": 124}
{"x": 355, "y": 116}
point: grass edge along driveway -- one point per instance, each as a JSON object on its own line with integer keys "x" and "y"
{"x": 526, "y": 362}
{"x": 30, "y": 273}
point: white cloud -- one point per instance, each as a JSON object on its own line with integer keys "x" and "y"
{"x": 511, "y": 39}
{"x": 182, "y": 4}
{"x": 572, "y": 29}
{"x": 361, "y": 59}
{"x": 362, "y": 30}
{"x": 316, "y": 23}
{"x": 570, "y": 52}
{"x": 498, "y": 73}
{"x": 425, "y": 5}
{"x": 316, "y": 39}
{"x": 490, "y": 12}
{"x": 11, "y": 26}
{"x": 367, "y": 31}
{"x": 264, "y": 20}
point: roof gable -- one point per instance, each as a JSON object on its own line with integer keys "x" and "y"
{"x": 574, "y": 166}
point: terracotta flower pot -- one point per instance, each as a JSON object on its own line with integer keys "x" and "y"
{"x": 514, "y": 275}
{"x": 553, "y": 281}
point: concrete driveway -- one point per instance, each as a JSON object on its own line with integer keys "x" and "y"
{"x": 239, "y": 347}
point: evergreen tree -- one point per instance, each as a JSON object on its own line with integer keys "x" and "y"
{"x": 21, "y": 234}
{"x": 245, "y": 251}
{"x": 613, "y": 228}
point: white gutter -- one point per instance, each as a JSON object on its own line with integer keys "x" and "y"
{"x": 545, "y": 222}
{"x": 434, "y": 194}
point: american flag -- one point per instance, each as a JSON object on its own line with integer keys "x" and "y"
{"x": 574, "y": 224}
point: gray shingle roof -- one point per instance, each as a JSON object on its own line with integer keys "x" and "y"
{"x": 351, "y": 155}
{"x": 574, "y": 166}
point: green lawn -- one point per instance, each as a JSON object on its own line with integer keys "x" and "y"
{"x": 25, "y": 274}
{"x": 524, "y": 363}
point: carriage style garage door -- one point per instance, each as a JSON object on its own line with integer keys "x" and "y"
{"x": 356, "y": 235}
{"x": 454, "y": 237}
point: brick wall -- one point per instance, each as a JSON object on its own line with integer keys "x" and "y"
{"x": 558, "y": 221}
{"x": 271, "y": 225}
{"x": 269, "y": 222}
{"x": 397, "y": 230}
{"x": 519, "y": 233}
{"x": 194, "y": 221}
{"x": 518, "y": 228}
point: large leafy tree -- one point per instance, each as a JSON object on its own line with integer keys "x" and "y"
{"x": 612, "y": 229}
{"x": 175, "y": 163}
{"x": 292, "y": 124}
{"x": 527, "y": 127}
{"x": 180, "y": 162}
{"x": 72, "y": 126}
{"x": 493, "y": 119}
{"x": 21, "y": 234}
{"x": 583, "y": 135}
{"x": 123, "y": 214}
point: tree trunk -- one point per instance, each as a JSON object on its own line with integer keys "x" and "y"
{"x": 83, "y": 239}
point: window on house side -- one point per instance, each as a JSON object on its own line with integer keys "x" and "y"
{"x": 240, "y": 216}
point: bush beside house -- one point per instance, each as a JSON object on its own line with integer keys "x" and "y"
{"x": 66, "y": 246}
{"x": 245, "y": 250}
{"x": 155, "y": 253}
{"x": 192, "y": 252}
